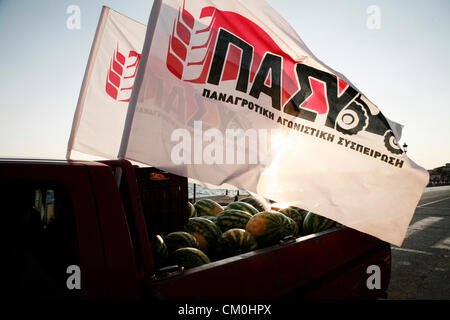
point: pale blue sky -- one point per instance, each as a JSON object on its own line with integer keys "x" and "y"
{"x": 403, "y": 67}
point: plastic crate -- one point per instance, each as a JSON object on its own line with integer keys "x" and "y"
{"x": 164, "y": 198}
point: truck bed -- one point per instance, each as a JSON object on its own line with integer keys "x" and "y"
{"x": 328, "y": 265}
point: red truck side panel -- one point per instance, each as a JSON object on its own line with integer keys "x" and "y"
{"x": 347, "y": 281}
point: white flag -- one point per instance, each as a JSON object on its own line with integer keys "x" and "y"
{"x": 227, "y": 93}
{"x": 105, "y": 93}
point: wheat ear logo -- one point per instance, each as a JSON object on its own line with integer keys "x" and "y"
{"x": 121, "y": 73}
{"x": 191, "y": 44}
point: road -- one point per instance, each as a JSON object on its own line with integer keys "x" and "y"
{"x": 421, "y": 266}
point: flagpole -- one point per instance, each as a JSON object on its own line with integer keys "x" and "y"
{"x": 89, "y": 67}
{"x": 139, "y": 76}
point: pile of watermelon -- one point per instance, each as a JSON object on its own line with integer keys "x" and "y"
{"x": 214, "y": 232}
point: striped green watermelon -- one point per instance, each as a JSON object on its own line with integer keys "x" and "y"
{"x": 243, "y": 206}
{"x": 207, "y": 207}
{"x": 235, "y": 241}
{"x": 231, "y": 218}
{"x": 189, "y": 258}
{"x": 211, "y": 218}
{"x": 294, "y": 215}
{"x": 301, "y": 211}
{"x": 315, "y": 223}
{"x": 291, "y": 228}
{"x": 191, "y": 210}
{"x": 159, "y": 251}
{"x": 180, "y": 239}
{"x": 255, "y": 203}
{"x": 205, "y": 231}
{"x": 269, "y": 227}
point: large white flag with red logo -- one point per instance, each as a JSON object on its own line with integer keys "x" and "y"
{"x": 227, "y": 92}
{"x": 107, "y": 85}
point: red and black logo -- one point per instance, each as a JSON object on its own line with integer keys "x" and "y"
{"x": 223, "y": 45}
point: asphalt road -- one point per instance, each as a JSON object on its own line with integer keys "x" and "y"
{"x": 421, "y": 267}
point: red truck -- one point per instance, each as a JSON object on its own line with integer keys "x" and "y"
{"x": 99, "y": 217}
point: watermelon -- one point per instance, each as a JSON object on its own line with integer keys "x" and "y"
{"x": 191, "y": 210}
{"x": 269, "y": 227}
{"x": 294, "y": 215}
{"x": 303, "y": 212}
{"x": 230, "y": 218}
{"x": 255, "y": 203}
{"x": 207, "y": 207}
{"x": 243, "y": 206}
{"x": 211, "y": 218}
{"x": 235, "y": 241}
{"x": 205, "y": 231}
{"x": 159, "y": 251}
{"x": 291, "y": 228}
{"x": 315, "y": 223}
{"x": 188, "y": 258}
{"x": 180, "y": 239}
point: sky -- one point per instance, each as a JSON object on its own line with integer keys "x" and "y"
{"x": 395, "y": 52}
